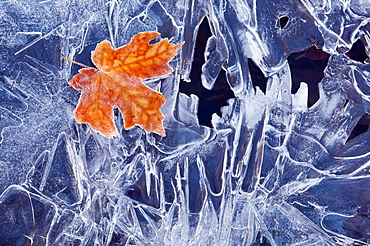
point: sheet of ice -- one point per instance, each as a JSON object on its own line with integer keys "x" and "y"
{"x": 271, "y": 170}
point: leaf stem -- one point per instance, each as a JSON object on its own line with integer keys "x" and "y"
{"x": 83, "y": 65}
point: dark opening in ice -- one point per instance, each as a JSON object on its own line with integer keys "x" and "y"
{"x": 361, "y": 127}
{"x": 357, "y": 52}
{"x": 210, "y": 101}
{"x": 283, "y": 21}
{"x": 308, "y": 66}
{"x": 258, "y": 79}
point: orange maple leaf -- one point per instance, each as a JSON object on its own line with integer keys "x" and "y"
{"x": 118, "y": 82}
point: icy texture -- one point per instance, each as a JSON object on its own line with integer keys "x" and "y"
{"x": 270, "y": 172}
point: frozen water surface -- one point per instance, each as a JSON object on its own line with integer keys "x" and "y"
{"x": 286, "y": 161}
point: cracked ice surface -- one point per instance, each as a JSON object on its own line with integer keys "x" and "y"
{"x": 271, "y": 171}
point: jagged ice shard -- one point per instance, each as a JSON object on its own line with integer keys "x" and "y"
{"x": 277, "y": 166}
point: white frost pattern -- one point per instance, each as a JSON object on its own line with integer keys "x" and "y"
{"x": 271, "y": 170}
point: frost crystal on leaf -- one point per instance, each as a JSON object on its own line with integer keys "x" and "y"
{"x": 117, "y": 82}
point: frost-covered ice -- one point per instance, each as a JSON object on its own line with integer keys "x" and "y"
{"x": 271, "y": 171}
